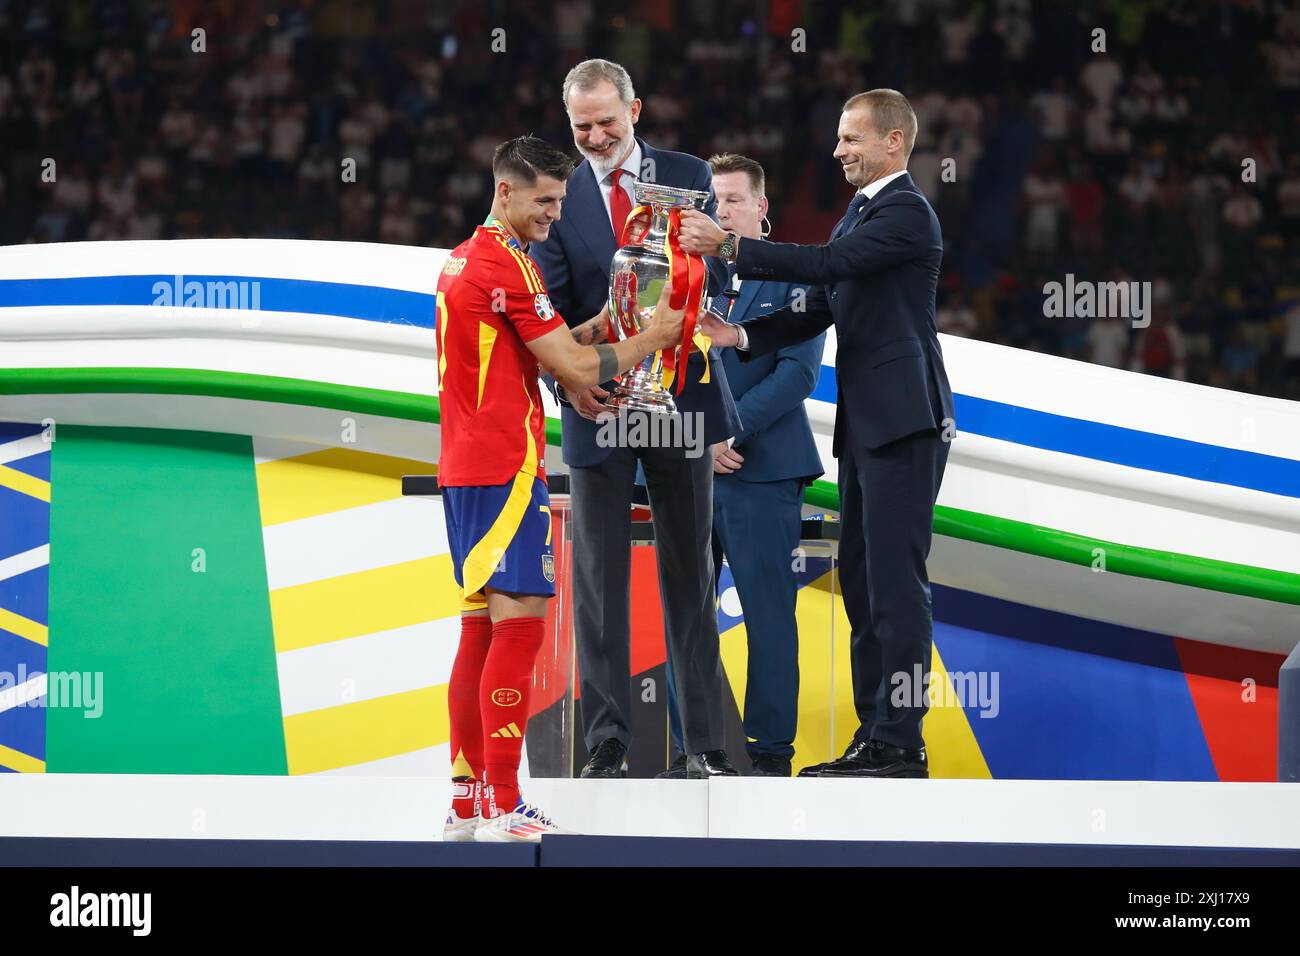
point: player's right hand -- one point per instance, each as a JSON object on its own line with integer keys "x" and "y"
{"x": 666, "y": 324}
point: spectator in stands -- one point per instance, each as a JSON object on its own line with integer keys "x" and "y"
{"x": 247, "y": 139}
{"x": 1238, "y": 362}
{"x": 957, "y": 317}
{"x": 1158, "y": 349}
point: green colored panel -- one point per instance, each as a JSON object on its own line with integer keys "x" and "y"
{"x": 1266, "y": 584}
{"x": 182, "y": 381}
{"x": 158, "y": 581}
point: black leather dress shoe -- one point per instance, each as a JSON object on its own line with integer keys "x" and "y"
{"x": 856, "y": 750}
{"x": 676, "y": 770}
{"x": 609, "y": 759}
{"x": 710, "y": 763}
{"x": 769, "y": 765}
{"x": 880, "y": 760}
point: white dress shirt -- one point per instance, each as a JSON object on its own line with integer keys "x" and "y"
{"x": 606, "y": 182}
{"x": 870, "y": 189}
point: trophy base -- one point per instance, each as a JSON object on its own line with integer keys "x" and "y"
{"x": 660, "y": 403}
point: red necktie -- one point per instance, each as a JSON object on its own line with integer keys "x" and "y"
{"x": 620, "y": 207}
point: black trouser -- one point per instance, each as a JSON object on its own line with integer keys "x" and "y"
{"x": 887, "y": 497}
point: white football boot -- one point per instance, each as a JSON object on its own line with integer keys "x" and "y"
{"x": 525, "y": 824}
{"x": 462, "y": 829}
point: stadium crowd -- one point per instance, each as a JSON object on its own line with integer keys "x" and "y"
{"x": 1044, "y": 156}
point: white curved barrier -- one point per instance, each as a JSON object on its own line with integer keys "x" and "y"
{"x": 1089, "y": 454}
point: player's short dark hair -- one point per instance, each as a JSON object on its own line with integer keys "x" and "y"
{"x": 735, "y": 163}
{"x": 522, "y": 159}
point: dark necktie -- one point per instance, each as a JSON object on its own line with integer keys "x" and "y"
{"x": 731, "y": 291}
{"x": 855, "y": 207}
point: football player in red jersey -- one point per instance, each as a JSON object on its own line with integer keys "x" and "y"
{"x": 495, "y": 326}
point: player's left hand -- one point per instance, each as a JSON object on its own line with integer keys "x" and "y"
{"x": 700, "y": 234}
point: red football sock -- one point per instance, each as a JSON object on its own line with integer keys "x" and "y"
{"x": 463, "y": 707}
{"x": 506, "y": 692}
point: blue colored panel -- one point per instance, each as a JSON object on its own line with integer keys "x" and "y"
{"x": 28, "y": 594}
{"x": 37, "y": 465}
{"x": 23, "y": 729}
{"x": 1111, "y": 443}
{"x": 24, "y": 524}
{"x": 372, "y": 303}
{"x": 20, "y": 656}
{"x": 25, "y": 520}
{"x": 116, "y": 851}
{"x": 1065, "y": 631}
{"x": 616, "y": 851}
{"x": 826, "y": 389}
{"x": 1127, "y": 446}
{"x": 1076, "y": 699}
{"x": 12, "y": 430}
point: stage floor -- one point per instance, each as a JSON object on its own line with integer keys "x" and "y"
{"x": 412, "y": 809}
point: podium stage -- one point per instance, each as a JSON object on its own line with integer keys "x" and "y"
{"x": 134, "y": 820}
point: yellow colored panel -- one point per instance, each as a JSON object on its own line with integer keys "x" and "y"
{"x": 827, "y": 717}
{"x": 950, "y": 742}
{"x": 367, "y": 730}
{"x": 330, "y": 480}
{"x": 25, "y": 627}
{"x": 364, "y": 602}
{"x": 17, "y": 760}
{"x": 24, "y": 483}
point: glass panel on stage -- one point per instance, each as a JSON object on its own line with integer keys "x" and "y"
{"x": 550, "y": 738}
{"x": 825, "y": 711}
{"x": 826, "y": 716}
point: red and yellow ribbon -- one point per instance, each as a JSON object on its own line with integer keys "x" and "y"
{"x": 686, "y": 276}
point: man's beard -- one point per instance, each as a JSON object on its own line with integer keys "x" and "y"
{"x": 606, "y": 161}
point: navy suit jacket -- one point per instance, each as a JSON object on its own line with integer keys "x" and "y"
{"x": 877, "y": 284}
{"x": 775, "y": 438}
{"x": 575, "y": 261}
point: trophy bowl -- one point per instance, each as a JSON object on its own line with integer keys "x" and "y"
{"x": 636, "y": 279}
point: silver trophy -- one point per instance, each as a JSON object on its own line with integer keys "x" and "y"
{"x": 636, "y": 279}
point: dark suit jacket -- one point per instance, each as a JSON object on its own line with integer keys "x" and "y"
{"x": 575, "y": 263}
{"x": 775, "y": 438}
{"x": 877, "y": 284}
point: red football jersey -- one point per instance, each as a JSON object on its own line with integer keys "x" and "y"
{"x": 491, "y": 300}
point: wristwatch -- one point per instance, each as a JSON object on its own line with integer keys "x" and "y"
{"x": 727, "y": 248}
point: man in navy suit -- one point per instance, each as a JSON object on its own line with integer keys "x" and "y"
{"x": 876, "y": 281}
{"x": 759, "y": 479}
{"x": 575, "y": 262}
